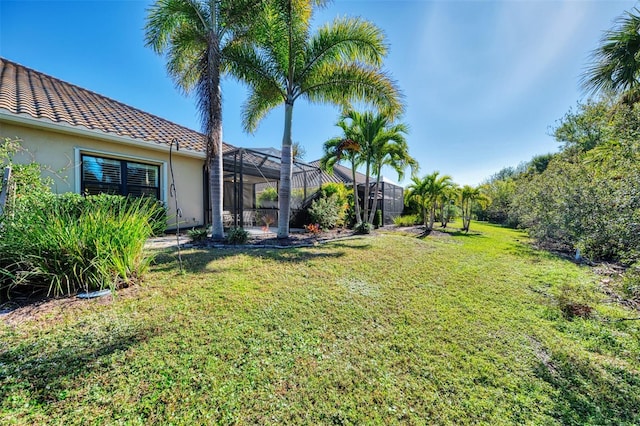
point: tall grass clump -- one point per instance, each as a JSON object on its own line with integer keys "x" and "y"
{"x": 407, "y": 220}
{"x": 64, "y": 244}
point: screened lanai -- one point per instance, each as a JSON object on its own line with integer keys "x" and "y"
{"x": 251, "y": 183}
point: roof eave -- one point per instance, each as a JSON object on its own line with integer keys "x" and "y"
{"x": 59, "y": 127}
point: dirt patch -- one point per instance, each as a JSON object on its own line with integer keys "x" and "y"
{"x": 20, "y": 310}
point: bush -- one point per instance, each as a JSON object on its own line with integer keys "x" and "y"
{"x": 407, "y": 220}
{"x": 363, "y": 228}
{"x": 326, "y": 211}
{"x": 268, "y": 194}
{"x": 377, "y": 220}
{"x": 631, "y": 282}
{"x": 62, "y": 244}
{"x": 197, "y": 235}
{"x": 237, "y": 235}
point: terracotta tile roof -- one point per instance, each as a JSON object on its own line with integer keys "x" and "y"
{"x": 25, "y": 91}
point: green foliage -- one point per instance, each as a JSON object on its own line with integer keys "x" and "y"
{"x": 584, "y": 197}
{"x": 62, "y": 244}
{"x": 327, "y": 211}
{"x": 501, "y": 192}
{"x": 363, "y": 228}
{"x": 26, "y": 183}
{"x": 237, "y": 235}
{"x": 197, "y": 235}
{"x": 270, "y": 193}
{"x": 407, "y": 220}
{"x": 427, "y": 192}
{"x": 614, "y": 67}
{"x": 631, "y": 282}
{"x": 338, "y": 189}
{"x": 377, "y": 221}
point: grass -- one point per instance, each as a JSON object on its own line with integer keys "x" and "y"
{"x": 447, "y": 329}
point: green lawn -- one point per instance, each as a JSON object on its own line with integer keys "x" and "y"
{"x": 380, "y": 329}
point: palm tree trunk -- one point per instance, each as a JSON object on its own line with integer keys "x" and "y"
{"x": 215, "y": 194}
{"x": 424, "y": 215}
{"x": 366, "y": 193}
{"x": 432, "y": 215}
{"x": 214, "y": 144}
{"x": 374, "y": 203}
{"x": 356, "y": 198}
{"x": 284, "y": 194}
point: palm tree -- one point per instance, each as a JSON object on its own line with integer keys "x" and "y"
{"x": 369, "y": 139}
{"x": 193, "y": 35}
{"x": 337, "y": 64}
{"x": 335, "y": 150}
{"x": 387, "y": 147}
{"x": 449, "y": 194}
{"x": 435, "y": 187}
{"x": 468, "y": 196}
{"x": 426, "y": 192}
{"x": 615, "y": 64}
{"x": 416, "y": 193}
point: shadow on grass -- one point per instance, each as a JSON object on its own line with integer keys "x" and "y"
{"x": 43, "y": 372}
{"x": 448, "y": 232}
{"x": 589, "y": 394}
{"x": 197, "y": 259}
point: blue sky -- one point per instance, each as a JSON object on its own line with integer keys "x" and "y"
{"x": 484, "y": 81}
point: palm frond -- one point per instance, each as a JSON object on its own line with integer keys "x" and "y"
{"x": 615, "y": 64}
{"x": 341, "y": 83}
{"x": 244, "y": 62}
{"x": 260, "y": 102}
{"x": 343, "y": 41}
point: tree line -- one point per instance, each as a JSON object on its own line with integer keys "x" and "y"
{"x": 587, "y": 196}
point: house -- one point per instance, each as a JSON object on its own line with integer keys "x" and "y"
{"x": 97, "y": 144}
{"x": 389, "y": 197}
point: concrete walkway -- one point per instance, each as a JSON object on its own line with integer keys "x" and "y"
{"x": 255, "y": 232}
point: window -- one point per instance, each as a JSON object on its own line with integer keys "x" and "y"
{"x": 111, "y": 176}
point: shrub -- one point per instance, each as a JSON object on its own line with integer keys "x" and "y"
{"x": 326, "y": 211}
{"x": 344, "y": 200}
{"x": 268, "y": 194}
{"x": 631, "y": 281}
{"x": 197, "y": 235}
{"x": 363, "y": 228}
{"x": 407, "y": 220}
{"x": 63, "y": 244}
{"x": 377, "y": 220}
{"x": 237, "y": 235}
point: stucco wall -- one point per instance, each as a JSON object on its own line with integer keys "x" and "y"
{"x": 60, "y": 152}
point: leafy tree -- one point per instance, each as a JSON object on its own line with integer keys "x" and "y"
{"x": 584, "y": 128}
{"x": 337, "y": 63}
{"x": 27, "y": 186}
{"x": 499, "y": 210}
{"x": 589, "y": 199}
{"x": 195, "y": 35}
